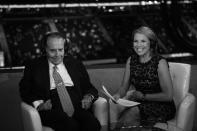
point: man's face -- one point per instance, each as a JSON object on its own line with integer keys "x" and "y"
{"x": 55, "y": 50}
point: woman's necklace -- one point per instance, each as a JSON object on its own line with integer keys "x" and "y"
{"x": 145, "y": 59}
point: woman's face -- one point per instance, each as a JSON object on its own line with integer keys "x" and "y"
{"x": 141, "y": 44}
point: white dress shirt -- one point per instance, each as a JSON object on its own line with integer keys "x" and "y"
{"x": 61, "y": 69}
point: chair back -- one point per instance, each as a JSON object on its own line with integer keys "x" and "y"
{"x": 109, "y": 77}
{"x": 180, "y": 74}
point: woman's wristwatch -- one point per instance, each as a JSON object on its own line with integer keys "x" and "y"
{"x": 144, "y": 97}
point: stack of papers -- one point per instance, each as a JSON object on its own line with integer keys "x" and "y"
{"x": 120, "y": 101}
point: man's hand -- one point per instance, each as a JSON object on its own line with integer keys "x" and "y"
{"x": 87, "y": 101}
{"x": 45, "y": 106}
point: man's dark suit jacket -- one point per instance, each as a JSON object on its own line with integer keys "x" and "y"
{"x": 35, "y": 84}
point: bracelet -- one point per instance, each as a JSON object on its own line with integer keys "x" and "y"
{"x": 143, "y": 98}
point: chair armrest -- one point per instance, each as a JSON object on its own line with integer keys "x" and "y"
{"x": 100, "y": 110}
{"x": 31, "y": 118}
{"x": 185, "y": 113}
{"x": 32, "y": 121}
{"x": 184, "y": 118}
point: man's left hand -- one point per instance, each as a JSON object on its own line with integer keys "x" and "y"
{"x": 87, "y": 101}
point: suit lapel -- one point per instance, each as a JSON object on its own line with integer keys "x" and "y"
{"x": 73, "y": 74}
{"x": 71, "y": 71}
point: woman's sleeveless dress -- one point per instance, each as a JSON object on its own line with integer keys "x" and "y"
{"x": 144, "y": 77}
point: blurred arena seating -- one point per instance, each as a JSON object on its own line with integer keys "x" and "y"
{"x": 95, "y": 33}
{"x": 24, "y": 39}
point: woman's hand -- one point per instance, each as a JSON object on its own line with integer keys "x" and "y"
{"x": 129, "y": 94}
{"x": 138, "y": 95}
{"x": 116, "y": 97}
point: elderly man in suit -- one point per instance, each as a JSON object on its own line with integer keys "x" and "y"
{"x": 58, "y": 86}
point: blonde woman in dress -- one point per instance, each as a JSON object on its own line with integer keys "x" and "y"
{"x": 146, "y": 80}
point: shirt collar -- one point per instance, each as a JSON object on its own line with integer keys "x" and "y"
{"x": 51, "y": 65}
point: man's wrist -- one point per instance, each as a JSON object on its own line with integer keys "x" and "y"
{"x": 90, "y": 95}
{"x": 40, "y": 107}
{"x": 37, "y": 103}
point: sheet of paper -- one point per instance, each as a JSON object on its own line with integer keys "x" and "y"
{"x": 120, "y": 101}
{"x": 107, "y": 93}
{"x": 127, "y": 103}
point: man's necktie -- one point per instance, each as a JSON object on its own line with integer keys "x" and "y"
{"x": 63, "y": 93}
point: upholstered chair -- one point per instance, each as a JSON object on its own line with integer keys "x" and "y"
{"x": 184, "y": 101}
{"x": 32, "y": 121}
